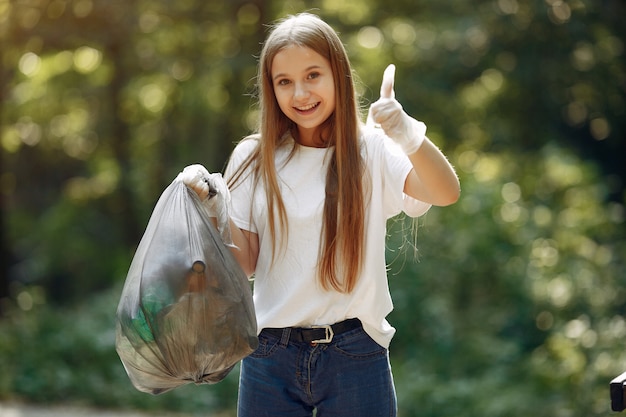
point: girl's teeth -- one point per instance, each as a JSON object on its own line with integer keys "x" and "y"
{"x": 309, "y": 107}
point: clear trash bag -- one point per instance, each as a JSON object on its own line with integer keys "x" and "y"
{"x": 186, "y": 313}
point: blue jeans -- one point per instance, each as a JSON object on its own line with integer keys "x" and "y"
{"x": 351, "y": 376}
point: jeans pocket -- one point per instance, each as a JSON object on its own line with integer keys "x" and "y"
{"x": 267, "y": 346}
{"x": 359, "y": 346}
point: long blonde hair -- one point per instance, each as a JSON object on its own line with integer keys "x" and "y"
{"x": 341, "y": 247}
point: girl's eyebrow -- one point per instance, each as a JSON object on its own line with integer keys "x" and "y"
{"x": 280, "y": 75}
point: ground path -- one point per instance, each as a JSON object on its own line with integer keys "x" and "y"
{"x": 21, "y": 410}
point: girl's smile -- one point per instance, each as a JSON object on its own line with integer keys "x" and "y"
{"x": 305, "y": 90}
{"x": 307, "y": 109}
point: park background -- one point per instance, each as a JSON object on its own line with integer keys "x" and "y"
{"x": 515, "y": 305}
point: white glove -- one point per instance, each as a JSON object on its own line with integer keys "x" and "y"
{"x": 195, "y": 177}
{"x": 387, "y": 112}
{"x": 219, "y": 205}
{"x": 214, "y": 195}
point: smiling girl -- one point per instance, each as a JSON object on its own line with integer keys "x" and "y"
{"x": 311, "y": 192}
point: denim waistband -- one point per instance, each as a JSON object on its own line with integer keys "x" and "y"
{"x": 315, "y": 334}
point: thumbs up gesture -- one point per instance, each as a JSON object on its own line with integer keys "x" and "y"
{"x": 388, "y": 113}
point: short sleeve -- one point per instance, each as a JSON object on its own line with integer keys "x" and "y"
{"x": 398, "y": 166}
{"x": 242, "y": 192}
{"x": 413, "y": 207}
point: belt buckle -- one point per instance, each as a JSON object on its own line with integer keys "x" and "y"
{"x": 328, "y": 336}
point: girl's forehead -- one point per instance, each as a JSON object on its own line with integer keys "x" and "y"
{"x": 294, "y": 58}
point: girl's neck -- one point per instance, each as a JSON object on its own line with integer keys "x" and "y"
{"x": 312, "y": 138}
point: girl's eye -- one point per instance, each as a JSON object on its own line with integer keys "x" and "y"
{"x": 282, "y": 82}
{"x": 314, "y": 75}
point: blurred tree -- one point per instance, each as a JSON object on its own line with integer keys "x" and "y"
{"x": 108, "y": 110}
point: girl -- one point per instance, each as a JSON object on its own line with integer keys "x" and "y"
{"x": 311, "y": 194}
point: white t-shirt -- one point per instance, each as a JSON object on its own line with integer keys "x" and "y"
{"x": 288, "y": 293}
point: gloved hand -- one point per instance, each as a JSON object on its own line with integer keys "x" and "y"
{"x": 196, "y": 177}
{"x": 387, "y": 112}
{"x": 214, "y": 195}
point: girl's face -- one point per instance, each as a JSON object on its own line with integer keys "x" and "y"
{"x": 305, "y": 90}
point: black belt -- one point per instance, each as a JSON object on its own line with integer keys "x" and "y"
{"x": 316, "y": 334}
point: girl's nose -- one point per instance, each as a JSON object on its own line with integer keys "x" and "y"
{"x": 300, "y": 91}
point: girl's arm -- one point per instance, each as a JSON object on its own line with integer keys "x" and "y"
{"x": 246, "y": 251}
{"x": 432, "y": 179}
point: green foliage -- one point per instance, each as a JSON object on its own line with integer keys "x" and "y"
{"x": 519, "y": 306}
{"x": 68, "y": 356}
{"x": 516, "y": 305}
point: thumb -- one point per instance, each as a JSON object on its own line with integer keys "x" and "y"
{"x": 386, "y": 88}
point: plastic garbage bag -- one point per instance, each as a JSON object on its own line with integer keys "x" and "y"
{"x": 186, "y": 312}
